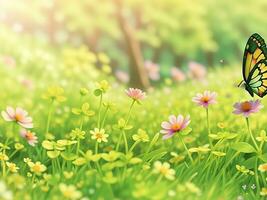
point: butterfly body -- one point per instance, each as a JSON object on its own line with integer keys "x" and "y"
{"x": 255, "y": 66}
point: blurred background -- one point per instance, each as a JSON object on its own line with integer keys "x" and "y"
{"x": 140, "y": 43}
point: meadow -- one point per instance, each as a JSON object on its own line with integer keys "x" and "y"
{"x": 70, "y": 131}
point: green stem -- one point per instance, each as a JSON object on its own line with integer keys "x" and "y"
{"x": 81, "y": 125}
{"x": 256, "y": 175}
{"x": 49, "y": 117}
{"x": 208, "y": 125}
{"x": 133, "y": 146}
{"x": 99, "y": 110}
{"x": 96, "y": 148}
{"x": 251, "y": 135}
{"x": 125, "y": 141}
{"x": 185, "y": 147}
{"x": 104, "y": 118}
{"x": 123, "y": 133}
{"x": 78, "y": 147}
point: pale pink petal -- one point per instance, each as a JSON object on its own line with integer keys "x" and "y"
{"x": 172, "y": 119}
{"x": 6, "y": 116}
{"x": 166, "y": 125}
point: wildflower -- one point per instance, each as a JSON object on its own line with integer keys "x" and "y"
{"x": 5, "y": 194}
{"x": 99, "y": 135}
{"x": 263, "y": 167}
{"x": 12, "y": 167}
{"x": 17, "y": 115}
{"x": 3, "y": 157}
{"x": 69, "y": 191}
{"x": 77, "y": 133}
{"x": 29, "y": 136}
{"x": 141, "y": 136}
{"x": 102, "y": 86}
{"x": 37, "y": 167}
{"x": 18, "y": 146}
{"x": 201, "y": 149}
{"x": 197, "y": 71}
{"x": 55, "y": 93}
{"x": 135, "y": 94}
{"x": 262, "y": 137}
{"x": 253, "y": 186}
{"x": 152, "y": 70}
{"x": 242, "y": 169}
{"x": 83, "y": 91}
{"x": 122, "y": 76}
{"x": 247, "y": 107}
{"x": 263, "y": 192}
{"x": 27, "y": 160}
{"x": 205, "y": 99}
{"x": 68, "y": 175}
{"x": 175, "y": 125}
{"x": 164, "y": 169}
{"x": 177, "y": 75}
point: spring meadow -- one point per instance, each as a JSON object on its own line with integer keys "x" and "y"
{"x": 131, "y": 99}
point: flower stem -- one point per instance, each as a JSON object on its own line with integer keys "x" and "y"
{"x": 251, "y": 135}
{"x": 185, "y": 147}
{"x": 99, "y": 110}
{"x": 133, "y": 146}
{"x": 208, "y": 125}
{"x": 96, "y": 148}
{"x": 104, "y": 118}
{"x": 123, "y": 132}
{"x": 49, "y": 116}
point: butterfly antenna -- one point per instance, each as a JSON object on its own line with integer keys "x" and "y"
{"x": 240, "y": 83}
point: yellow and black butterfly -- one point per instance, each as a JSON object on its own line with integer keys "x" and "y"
{"x": 255, "y": 66}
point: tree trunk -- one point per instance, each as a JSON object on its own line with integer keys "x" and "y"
{"x": 210, "y": 59}
{"x": 138, "y": 75}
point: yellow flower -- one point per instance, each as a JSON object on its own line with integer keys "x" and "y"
{"x": 141, "y": 136}
{"x": 263, "y": 167}
{"x": 12, "y": 167}
{"x": 55, "y": 93}
{"x": 69, "y": 191}
{"x": 3, "y": 157}
{"x": 99, "y": 135}
{"x": 164, "y": 169}
{"x": 263, "y": 192}
{"x": 262, "y": 137}
{"x": 37, "y": 167}
{"x": 18, "y": 146}
{"x": 27, "y": 160}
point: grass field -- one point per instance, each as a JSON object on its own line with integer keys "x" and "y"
{"x": 67, "y": 99}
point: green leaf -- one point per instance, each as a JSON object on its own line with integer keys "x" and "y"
{"x": 154, "y": 154}
{"x": 263, "y": 157}
{"x": 97, "y": 92}
{"x": 243, "y": 147}
{"x": 186, "y": 131}
{"x": 250, "y": 163}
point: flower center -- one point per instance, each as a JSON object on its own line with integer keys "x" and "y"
{"x": 98, "y": 136}
{"x": 18, "y": 117}
{"x": 164, "y": 170}
{"x": 264, "y": 167}
{"x": 246, "y": 106}
{"x": 176, "y": 127}
{"x": 205, "y": 99}
{"x": 36, "y": 168}
{"x": 29, "y": 136}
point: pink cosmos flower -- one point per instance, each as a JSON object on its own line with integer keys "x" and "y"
{"x": 29, "y": 136}
{"x": 205, "y": 99}
{"x": 196, "y": 70}
{"x": 152, "y": 70}
{"x": 17, "y": 115}
{"x": 247, "y": 107}
{"x": 135, "y": 94}
{"x": 174, "y": 125}
{"x": 177, "y": 74}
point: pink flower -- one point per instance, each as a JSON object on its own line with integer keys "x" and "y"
{"x": 17, "y": 115}
{"x": 122, "y": 76}
{"x": 205, "y": 99}
{"x": 9, "y": 61}
{"x": 196, "y": 70}
{"x": 29, "y": 136}
{"x": 177, "y": 74}
{"x": 152, "y": 70}
{"x": 174, "y": 125}
{"x": 135, "y": 94}
{"x": 247, "y": 107}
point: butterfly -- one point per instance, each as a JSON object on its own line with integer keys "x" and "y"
{"x": 255, "y": 66}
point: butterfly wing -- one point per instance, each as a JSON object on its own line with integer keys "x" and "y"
{"x": 257, "y": 79}
{"x": 254, "y": 52}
